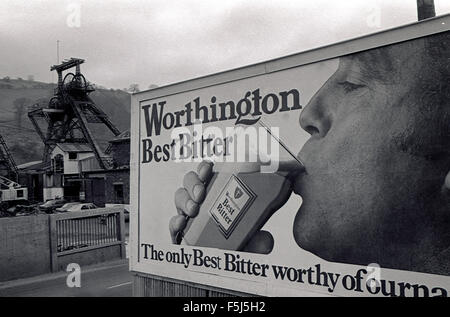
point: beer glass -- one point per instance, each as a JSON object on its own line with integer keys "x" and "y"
{"x": 241, "y": 197}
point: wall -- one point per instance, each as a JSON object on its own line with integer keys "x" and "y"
{"x": 90, "y": 164}
{"x": 95, "y": 189}
{"x": 53, "y": 192}
{"x": 28, "y": 245}
{"x": 71, "y": 166}
{"x": 115, "y": 177}
{"x": 91, "y": 256}
{"x": 120, "y": 151}
{"x": 35, "y": 183}
{"x": 24, "y": 247}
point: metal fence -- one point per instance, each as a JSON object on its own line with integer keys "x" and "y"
{"x": 90, "y": 230}
{"x": 80, "y": 232}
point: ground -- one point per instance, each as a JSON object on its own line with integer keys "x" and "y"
{"x": 109, "y": 279}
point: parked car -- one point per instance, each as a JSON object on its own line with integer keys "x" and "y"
{"x": 82, "y": 207}
{"x": 66, "y": 206}
{"x": 126, "y": 210}
{"x": 23, "y": 210}
{"x": 50, "y": 205}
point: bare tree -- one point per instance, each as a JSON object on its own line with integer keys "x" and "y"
{"x": 134, "y": 88}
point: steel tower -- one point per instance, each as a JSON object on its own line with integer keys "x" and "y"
{"x": 68, "y": 113}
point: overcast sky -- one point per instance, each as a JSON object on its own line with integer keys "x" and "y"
{"x": 161, "y": 42}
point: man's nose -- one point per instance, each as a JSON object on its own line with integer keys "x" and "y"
{"x": 316, "y": 118}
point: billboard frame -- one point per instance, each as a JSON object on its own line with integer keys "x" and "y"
{"x": 396, "y": 35}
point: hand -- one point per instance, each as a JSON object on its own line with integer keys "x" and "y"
{"x": 189, "y": 197}
{"x": 188, "y": 200}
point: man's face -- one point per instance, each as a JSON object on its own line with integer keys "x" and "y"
{"x": 375, "y": 161}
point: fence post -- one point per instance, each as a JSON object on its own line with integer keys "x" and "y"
{"x": 122, "y": 233}
{"x": 53, "y": 243}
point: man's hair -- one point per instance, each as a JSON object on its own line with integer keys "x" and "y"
{"x": 438, "y": 51}
{"x": 433, "y": 73}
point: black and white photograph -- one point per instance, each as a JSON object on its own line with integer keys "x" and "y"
{"x": 206, "y": 148}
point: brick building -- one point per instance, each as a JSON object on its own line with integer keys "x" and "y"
{"x": 75, "y": 175}
{"x": 31, "y": 175}
{"x": 108, "y": 187}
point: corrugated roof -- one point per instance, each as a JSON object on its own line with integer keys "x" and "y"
{"x": 74, "y": 147}
{"x": 37, "y": 164}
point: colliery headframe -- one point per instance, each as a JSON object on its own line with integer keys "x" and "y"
{"x": 68, "y": 113}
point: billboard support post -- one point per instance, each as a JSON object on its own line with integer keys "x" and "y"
{"x": 425, "y": 9}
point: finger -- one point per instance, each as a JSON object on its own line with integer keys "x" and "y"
{"x": 185, "y": 205}
{"x": 262, "y": 242}
{"x": 194, "y": 187}
{"x": 204, "y": 171}
{"x": 176, "y": 225}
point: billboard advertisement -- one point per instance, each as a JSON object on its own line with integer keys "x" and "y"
{"x": 318, "y": 178}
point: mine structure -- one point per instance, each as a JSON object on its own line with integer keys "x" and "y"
{"x": 11, "y": 192}
{"x": 68, "y": 114}
{"x": 8, "y": 167}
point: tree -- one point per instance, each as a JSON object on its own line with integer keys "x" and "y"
{"x": 152, "y": 86}
{"x": 20, "y": 106}
{"x": 30, "y": 78}
{"x": 134, "y": 88}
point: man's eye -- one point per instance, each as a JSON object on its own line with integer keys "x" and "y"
{"x": 348, "y": 86}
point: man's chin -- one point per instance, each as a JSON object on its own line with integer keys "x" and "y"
{"x": 302, "y": 234}
{"x": 309, "y": 237}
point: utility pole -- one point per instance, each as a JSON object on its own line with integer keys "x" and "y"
{"x": 425, "y": 9}
{"x": 57, "y": 56}
{"x": 57, "y": 51}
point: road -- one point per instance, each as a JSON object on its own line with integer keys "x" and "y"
{"x": 112, "y": 279}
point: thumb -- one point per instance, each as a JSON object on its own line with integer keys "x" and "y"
{"x": 262, "y": 242}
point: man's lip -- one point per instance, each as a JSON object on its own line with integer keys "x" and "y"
{"x": 302, "y": 162}
{"x": 296, "y": 186}
{"x": 297, "y": 180}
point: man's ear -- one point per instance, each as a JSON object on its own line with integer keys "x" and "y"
{"x": 446, "y": 186}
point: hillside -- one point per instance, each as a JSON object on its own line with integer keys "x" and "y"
{"x": 17, "y": 95}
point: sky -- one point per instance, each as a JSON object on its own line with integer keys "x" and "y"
{"x": 161, "y": 42}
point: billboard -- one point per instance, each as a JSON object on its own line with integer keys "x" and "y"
{"x": 321, "y": 173}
